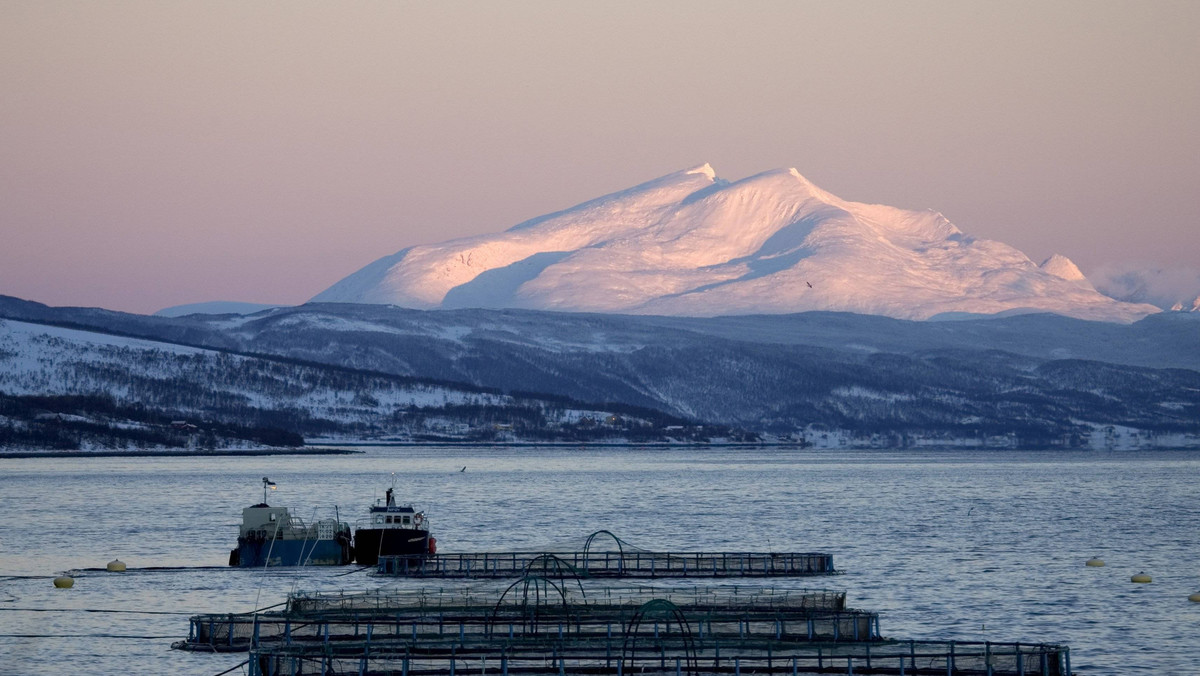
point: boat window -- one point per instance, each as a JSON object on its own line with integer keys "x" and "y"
{"x": 389, "y": 519}
{"x": 406, "y": 520}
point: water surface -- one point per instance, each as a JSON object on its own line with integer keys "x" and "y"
{"x": 944, "y": 545}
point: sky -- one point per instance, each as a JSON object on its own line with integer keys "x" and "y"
{"x": 161, "y": 153}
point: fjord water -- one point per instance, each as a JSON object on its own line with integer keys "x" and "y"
{"x": 944, "y": 545}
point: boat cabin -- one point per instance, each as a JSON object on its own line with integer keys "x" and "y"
{"x": 265, "y": 520}
{"x": 391, "y": 515}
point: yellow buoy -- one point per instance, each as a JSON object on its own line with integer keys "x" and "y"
{"x": 1140, "y": 578}
{"x": 116, "y": 566}
{"x": 1195, "y": 598}
{"x": 1095, "y": 562}
{"x": 64, "y": 582}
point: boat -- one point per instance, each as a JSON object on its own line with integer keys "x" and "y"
{"x": 390, "y": 529}
{"x": 273, "y": 536}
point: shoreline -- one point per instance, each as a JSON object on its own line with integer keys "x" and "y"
{"x": 176, "y": 453}
{"x": 319, "y": 449}
{"x": 773, "y": 444}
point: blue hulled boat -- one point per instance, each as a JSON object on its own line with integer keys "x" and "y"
{"x": 272, "y": 536}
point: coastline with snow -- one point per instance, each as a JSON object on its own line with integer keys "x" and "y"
{"x": 172, "y": 453}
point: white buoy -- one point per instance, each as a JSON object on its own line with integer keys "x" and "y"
{"x": 116, "y": 566}
{"x": 1095, "y": 562}
{"x": 64, "y": 582}
{"x": 1195, "y": 598}
{"x": 1140, "y": 578}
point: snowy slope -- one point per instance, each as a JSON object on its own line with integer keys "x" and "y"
{"x": 192, "y": 383}
{"x": 691, "y": 244}
{"x": 48, "y": 360}
{"x": 1047, "y": 379}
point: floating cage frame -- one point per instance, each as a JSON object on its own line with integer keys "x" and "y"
{"x": 667, "y": 657}
{"x": 538, "y": 608}
{"x": 549, "y": 623}
{"x": 620, "y": 564}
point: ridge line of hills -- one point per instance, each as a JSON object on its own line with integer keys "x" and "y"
{"x": 827, "y": 379}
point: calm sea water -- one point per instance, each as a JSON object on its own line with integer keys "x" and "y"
{"x": 953, "y": 545}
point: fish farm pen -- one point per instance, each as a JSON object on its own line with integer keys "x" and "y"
{"x": 563, "y": 614}
{"x": 633, "y": 564}
{"x": 524, "y": 592}
{"x": 660, "y": 657}
{"x": 625, "y": 561}
{"x": 536, "y": 608}
{"x": 538, "y": 626}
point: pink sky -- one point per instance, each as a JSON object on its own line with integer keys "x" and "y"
{"x": 159, "y": 153}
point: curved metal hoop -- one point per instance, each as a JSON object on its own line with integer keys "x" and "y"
{"x": 655, "y": 610}
{"x": 587, "y": 545}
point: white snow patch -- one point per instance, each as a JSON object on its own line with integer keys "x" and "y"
{"x": 18, "y": 333}
{"x": 864, "y": 393}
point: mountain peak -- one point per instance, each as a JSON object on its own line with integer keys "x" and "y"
{"x": 1062, "y": 267}
{"x": 691, "y": 244}
{"x": 800, "y": 177}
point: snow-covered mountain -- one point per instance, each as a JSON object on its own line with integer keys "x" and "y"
{"x": 691, "y": 244}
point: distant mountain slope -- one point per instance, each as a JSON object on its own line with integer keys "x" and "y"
{"x": 868, "y": 375}
{"x": 691, "y": 244}
{"x": 1033, "y": 380}
{"x": 1164, "y": 340}
{"x": 98, "y": 384}
{"x": 216, "y": 307}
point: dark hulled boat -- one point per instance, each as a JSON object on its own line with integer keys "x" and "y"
{"x": 392, "y": 530}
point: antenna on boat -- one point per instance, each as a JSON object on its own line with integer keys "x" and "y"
{"x": 267, "y": 482}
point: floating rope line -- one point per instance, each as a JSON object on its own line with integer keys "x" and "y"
{"x": 97, "y": 610}
{"x": 127, "y": 636}
{"x": 356, "y": 570}
{"x": 154, "y": 569}
{"x": 75, "y": 572}
{"x": 236, "y": 666}
{"x": 310, "y": 531}
{"x": 266, "y": 562}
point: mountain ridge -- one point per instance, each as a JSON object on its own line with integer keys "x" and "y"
{"x": 1037, "y": 381}
{"x": 692, "y": 244}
